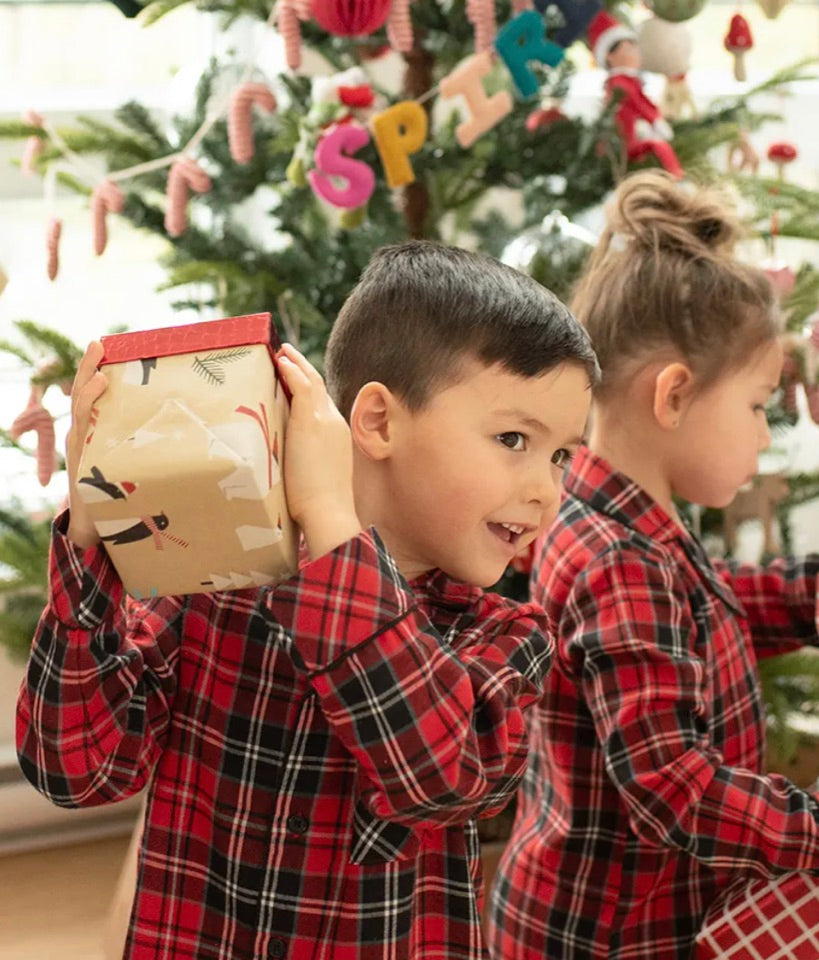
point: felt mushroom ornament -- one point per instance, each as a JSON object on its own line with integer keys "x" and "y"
{"x": 738, "y": 41}
{"x": 782, "y": 153}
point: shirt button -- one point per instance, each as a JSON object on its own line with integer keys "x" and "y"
{"x": 277, "y": 947}
{"x": 297, "y": 824}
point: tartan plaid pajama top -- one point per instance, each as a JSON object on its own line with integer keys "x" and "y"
{"x": 316, "y": 752}
{"x": 645, "y": 792}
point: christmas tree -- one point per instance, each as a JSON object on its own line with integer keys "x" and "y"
{"x": 439, "y": 119}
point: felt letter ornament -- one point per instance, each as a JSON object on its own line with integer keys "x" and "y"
{"x": 486, "y": 112}
{"x": 182, "y": 469}
{"x": 399, "y": 131}
{"x": 772, "y": 919}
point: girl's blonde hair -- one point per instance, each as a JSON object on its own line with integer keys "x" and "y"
{"x": 664, "y": 277}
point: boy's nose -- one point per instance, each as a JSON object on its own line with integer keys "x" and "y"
{"x": 543, "y": 488}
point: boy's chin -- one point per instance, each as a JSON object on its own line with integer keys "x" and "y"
{"x": 484, "y": 579}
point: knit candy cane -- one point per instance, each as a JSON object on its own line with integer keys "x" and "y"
{"x": 304, "y": 8}
{"x": 399, "y": 26}
{"x": 106, "y": 198}
{"x": 55, "y": 228}
{"x": 481, "y": 14}
{"x": 36, "y": 417}
{"x": 240, "y": 118}
{"x": 185, "y": 174}
{"x": 287, "y": 17}
{"x": 33, "y": 145}
{"x": 518, "y": 6}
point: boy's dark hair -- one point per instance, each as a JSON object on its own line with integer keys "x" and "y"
{"x": 421, "y": 307}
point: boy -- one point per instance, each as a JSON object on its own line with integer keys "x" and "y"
{"x": 317, "y": 750}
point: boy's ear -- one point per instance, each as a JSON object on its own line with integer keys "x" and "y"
{"x": 372, "y": 420}
{"x": 673, "y": 391}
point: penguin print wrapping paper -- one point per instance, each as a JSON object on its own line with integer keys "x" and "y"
{"x": 182, "y": 467}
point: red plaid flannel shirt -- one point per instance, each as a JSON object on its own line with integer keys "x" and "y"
{"x": 316, "y": 752}
{"x": 645, "y": 793}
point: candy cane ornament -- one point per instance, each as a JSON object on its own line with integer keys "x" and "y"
{"x": 36, "y": 417}
{"x": 55, "y": 229}
{"x": 481, "y": 14}
{"x": 106, "y": 198}
{"x": 240, "y": 118}
{"x": 399, "y": 26}
{"x": 34, "y": 145}
{"x": 287, "y": 18}
{"x": 185, "y": 175}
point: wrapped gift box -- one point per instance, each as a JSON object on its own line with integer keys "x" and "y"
{"x": 764, "y": 920}
{"x": 182, "y": 467}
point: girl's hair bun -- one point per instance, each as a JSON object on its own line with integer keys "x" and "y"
{"x": 654, "y": 211}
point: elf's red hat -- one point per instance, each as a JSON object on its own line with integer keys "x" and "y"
{"x": 604, "y": 31}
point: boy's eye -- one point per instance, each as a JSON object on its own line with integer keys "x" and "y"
{"x": 562, "y": 457}
{"x": 513, "y": 440}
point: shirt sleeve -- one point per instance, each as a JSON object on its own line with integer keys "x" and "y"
{"x": 629, "y": 626}
{"x": 780, "y": 600}
{"x": 436, "y": 724}
{"x": 95, "y": 700}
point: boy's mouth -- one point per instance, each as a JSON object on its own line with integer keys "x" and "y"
{"x": 508, "y": 532}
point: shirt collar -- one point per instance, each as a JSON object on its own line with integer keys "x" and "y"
{"x": 593, "y": 480}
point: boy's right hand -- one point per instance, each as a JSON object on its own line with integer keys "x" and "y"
{"x": 89, "y": 384}
{"x": 318, "y": 459}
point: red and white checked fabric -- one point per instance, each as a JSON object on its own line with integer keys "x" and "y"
{"x": 764, "y": 920}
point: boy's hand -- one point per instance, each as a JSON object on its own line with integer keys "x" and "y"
{"x": 318, "y": 459}
{"x": 89, "y": 384}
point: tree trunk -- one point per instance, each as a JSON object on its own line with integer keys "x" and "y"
{"x": 418, "y": 80}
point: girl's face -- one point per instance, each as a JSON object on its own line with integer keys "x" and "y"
{"x": 723, "y": 431}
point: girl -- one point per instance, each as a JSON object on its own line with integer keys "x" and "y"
{"x": 646, "y": 791}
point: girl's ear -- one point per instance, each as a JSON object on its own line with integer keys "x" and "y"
{"x": 372, "y": 420}
{"x": 673, "y": 391}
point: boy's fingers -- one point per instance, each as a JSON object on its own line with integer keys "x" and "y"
{"x": 289, "y": 352}
{"x": 294, "y": 376}
{"x": 88, "y": 365}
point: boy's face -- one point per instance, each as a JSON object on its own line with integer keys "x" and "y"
{"x": 476, "y": 474}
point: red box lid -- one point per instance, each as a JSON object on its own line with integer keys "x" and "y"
{"x": 188, "y": 338}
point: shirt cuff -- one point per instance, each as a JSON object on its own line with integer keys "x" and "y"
{"x": 83, "y": 584}
{"x": 341, "y": 600}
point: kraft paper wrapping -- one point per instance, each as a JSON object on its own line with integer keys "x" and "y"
{"x": 182, "y": 469}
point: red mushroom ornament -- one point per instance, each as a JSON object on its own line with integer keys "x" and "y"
{"x": 737, "y": 41}
{"x": 782, "y": 153}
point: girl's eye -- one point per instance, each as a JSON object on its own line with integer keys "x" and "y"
{"x": 562, "y": 457}
{"x": 759, "y": 408}
{"x": 513, "y": 440}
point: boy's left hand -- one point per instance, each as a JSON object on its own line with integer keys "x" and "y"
{"x": 318, "y": 458}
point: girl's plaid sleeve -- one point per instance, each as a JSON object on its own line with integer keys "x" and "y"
{"x": 436, "y": 723}
{"x": 630, "y": 639}
{"x": 780, "y": 600}
{"x": 95, "y": 699}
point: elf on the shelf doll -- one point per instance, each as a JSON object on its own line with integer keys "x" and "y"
{"x": 641, "y": 124}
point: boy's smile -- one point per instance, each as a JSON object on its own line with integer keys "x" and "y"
{"x": 475, "y": 475}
